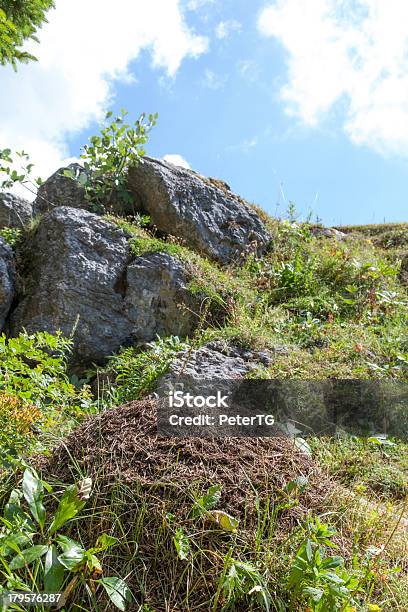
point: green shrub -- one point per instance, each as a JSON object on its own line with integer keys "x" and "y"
{"x": 11, "y": 235}
{"x": 33, "y": 370}
{"x": 136, "y": 372}
{"x": 108, "y": 157}
{"x": 36, "y": 554}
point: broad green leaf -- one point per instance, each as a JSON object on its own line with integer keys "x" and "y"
{"x": 224, "y": 520}
{"x": 103, "y": 542}
{"x": 53, "y": 571}
{"x": 207, "y": 501}
{"x": 27, "y": 556}
{"x": 33, "y": 492}
{"x": 73, "y": 554}
{"x": 117, "y": 590}
{"x": 182, "y": 544}
{"x": 93, "y": 562}
{"x": 315, "y": 594}
{"x": 332, "y": 562}
{"x": 70, "y": 504}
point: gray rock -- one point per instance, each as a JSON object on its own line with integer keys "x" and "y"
{"x": 79, "y": 277}
{"x": 14, "y": 211}
{"x": 203, "y": 212}
{"x": 327, "y": 232}
{"x": 157, "y": 298}
{"x": 7, "y": 280}
{"x": 217, "y": 360}
{"x": 60, "y": 190}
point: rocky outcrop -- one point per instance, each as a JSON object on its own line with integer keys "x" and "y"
{"x": 80, "y": 278}
{"x": 61, "y": 190}
{"x": 204, "y": 213}
{"x": 7, "y": 280}
{"x": 14, "y": 211}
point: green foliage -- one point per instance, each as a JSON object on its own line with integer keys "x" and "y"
{"x": 136, "y": 372}
{"x": 33, "y": 370}
{"x": 18, "y": 420}
{"x": 108, "y": 157}
{"x": 37, "y": 556}
{"x": 19, "y": 20}
{"x": 320, "y": 579}
{"x": 11, "y": 235}
{"x": 374, "y": 466}
{"x": 181, "y": 544}
{"x": 240, "y": 581}
{"x": 16, "y": 169}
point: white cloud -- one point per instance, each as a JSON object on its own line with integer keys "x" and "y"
{"x": 225, "y": 28}
{"x": 83, "y": 50}
{"x": 212, "y": 80}
{"x": 351, "y": 54}
{"x": 177, "y": 160}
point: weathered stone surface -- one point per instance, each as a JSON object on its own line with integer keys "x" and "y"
{"x": 14, "y": 211}
{"x": 203, "y": 212}
{"x": 217, "y": 361}
{"x": 7, "y": 280}
{"x": 157, "y": 297}
{"x": 80, "y": 276}
{"x": 327, "y": 232}
{"x": 60, "y": 190}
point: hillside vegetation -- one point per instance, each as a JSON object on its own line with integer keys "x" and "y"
{"x": 96, "y": 505}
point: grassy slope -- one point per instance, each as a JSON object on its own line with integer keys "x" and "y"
{"x": 340, "y": 310}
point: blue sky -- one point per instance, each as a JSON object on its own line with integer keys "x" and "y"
{"x": 284, "y": 100}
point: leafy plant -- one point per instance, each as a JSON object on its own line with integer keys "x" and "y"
{"x": 33, "y": 376}
{"x": 11, "y": 235}
{"x": 37, "y": 556}
{"x": 321, "y": 579}
{"x": 17, "y": 169}
{"x": 136, "y": 372}
{"x": 19, "y": 20}
{"x": 108, "y": 157}
{"x": 17, "y": 420}
{"x": 241, "y": 580}
{"x": 33, "y": 367}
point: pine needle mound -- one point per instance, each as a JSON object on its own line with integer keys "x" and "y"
{"x": 122, "y": 445}
{"x": 145, "y": 488}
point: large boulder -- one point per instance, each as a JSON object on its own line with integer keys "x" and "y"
{"x": 203, "y": 212}
{"x": 7, "y": 280}
{"x": 61, "y": 190}
{"x": 79, "y": 278}
{"x": 14, "y": 211}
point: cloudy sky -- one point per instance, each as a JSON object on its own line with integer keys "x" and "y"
{"x": 286, "y": 100}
